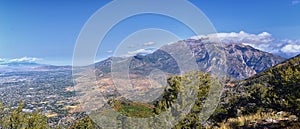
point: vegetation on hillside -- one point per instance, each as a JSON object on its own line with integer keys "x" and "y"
{"x": 250, "y": 103}
{"x": 274, "y": 90}
{"x": 15, "y": 118}
{"x": 270, "y": 99}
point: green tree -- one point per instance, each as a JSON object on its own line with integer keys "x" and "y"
{"x": 84, "y": 123}
{"x": 17, "y": 119}
{"x": 285, "y": 92}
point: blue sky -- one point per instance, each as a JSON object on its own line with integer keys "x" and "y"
{"x": 48, "y": 29}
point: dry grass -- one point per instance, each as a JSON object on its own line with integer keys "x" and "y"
{"x": 254, "y": 119}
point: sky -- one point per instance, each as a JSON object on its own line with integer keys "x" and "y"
{"x": 46, "y": 31}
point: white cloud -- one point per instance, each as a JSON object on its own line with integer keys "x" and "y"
{"x": 23, "y": 59}
{"x": 263, "y": 41}
{"x": 264, "y": 34}
{"x": 291, "y": 48}
{"x": 294, "y": 2}
{"x": 241, "y": 37}
{"x": 2, "y": 60}
{"x": 140, "y": 51}
{"x": 149, "y": 44}
{"x": 109, "y": 51}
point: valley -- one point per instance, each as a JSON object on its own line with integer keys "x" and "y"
{"x": 50, "y": 92}
{"x": 65, "y": 96}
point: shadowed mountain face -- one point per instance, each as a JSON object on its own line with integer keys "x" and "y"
{"x": 244, "y": 61}
{"x": 239, "y": 61}
{"x": 291, "y": 65}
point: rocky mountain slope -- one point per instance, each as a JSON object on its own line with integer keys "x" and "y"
{"x": 240, "y": 61}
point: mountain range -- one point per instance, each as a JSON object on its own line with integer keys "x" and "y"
{"x": 30, "y": 66}
{"x": 241, "y": 61}
{"x": 260, "y": 81}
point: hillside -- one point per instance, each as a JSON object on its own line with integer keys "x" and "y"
{"x": 290, "y": 64}
{"x": 275, "y": 90}
{"x": 282, "y": 84}
{"x": 269, "y": 99}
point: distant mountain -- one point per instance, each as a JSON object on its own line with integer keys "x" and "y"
{"x": 242, "y": 61}
{"x": 21, "y": 64}
{"x": 30, "y": 66}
